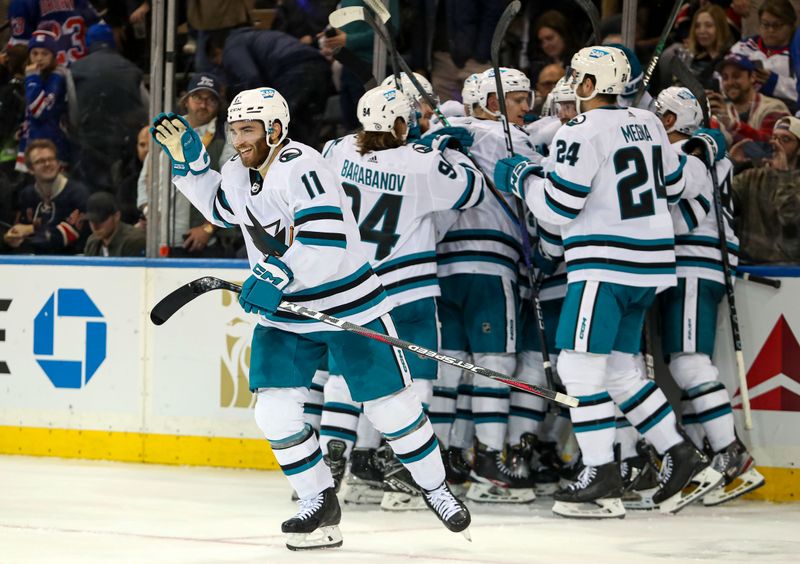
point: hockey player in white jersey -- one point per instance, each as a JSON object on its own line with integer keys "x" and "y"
{"x": 393, "y": 189}
{"x": 689, "y": 310}
{"x": 424, "y": 111}
{"x": 291, "y": 193}
{"x": 479, "y": 304}
{"x": 558, "y": 109}
{"x": 607, "y": 186}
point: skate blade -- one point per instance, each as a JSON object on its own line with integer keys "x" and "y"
{"x": 546, "y": 489}
{"x": 459, "y": 490}
{"x": 640, "y": 500}
{"x": 492, "y": 493}
{"x": 324, "y": 537}
{"x": 466, "y": 534}
{"x": 363, "y": 495}
{"x": 746, "y": 482}
{"x": 611, "y": 508}
{"x": 396, "y": 501}
{"x": 700, "y": 484}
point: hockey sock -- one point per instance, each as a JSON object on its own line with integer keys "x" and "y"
{"x": 491, "y": 400}
{"x": 442, "y": 411}
{"x": 626, "y": 436}
{"x": 593, "y": 421}
{"x": 692, "y": 426}
{"x": 368, "y": 436}
{"x": 526, "y": 411}
{"x": 339, "y": 415}
{"x": 424, "y": 391}
{"x": 312, "y": 409}
{"x": 410, "y": 434}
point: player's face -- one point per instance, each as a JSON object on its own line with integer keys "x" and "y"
{"x": 42, "y": 58}
{"x": 566, "y": 111}
{"x": 249, "y": 140}
{"x": 518, "y": 104}
{"x": 736, "y": 83}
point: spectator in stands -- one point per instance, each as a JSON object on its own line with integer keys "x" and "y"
{"x": 12, "y": 104}
{"x": 736, "y": 13}
{"x": 769, "y": 51}
{"x": 111, "y": 102}
{"x": 253, "y": 58}
{"x": 126, "y": 174}
{"x": 742, "y": 112}
{"x": 551, "y": 42}
{"x": 548, "y": 77}
{"x": 207, "y": 16}
{"x": 709, "y": 40}
{"x": 767, "y": 201}
{"x": 111, "y": 237}
{"x": 67, "y": 21}
{"x": 303, "y": 19}
{"x": 50, "y": 218}
{"x": 46, "y": 85}
{"x": 185, "y": 230}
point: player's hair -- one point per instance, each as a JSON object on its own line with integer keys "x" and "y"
{"x": 609, "y": 99}
{"x": 38, "y": 144}
{"x": 722, "y": 32}
{"x": 368, "y": 141}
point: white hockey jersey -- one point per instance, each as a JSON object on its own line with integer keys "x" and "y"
{"x": 392, "y": 193}
{"x": 696, "y": 236}
{"x": 541, "y": 133}
{"x": 611, "y": 177}
{"x": 484, "y": 239}
{"x": 300, "y": 203}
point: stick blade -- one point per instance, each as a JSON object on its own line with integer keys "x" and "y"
{"x": 502, "y": 26}
{"x": 343, "y": 16}
{"x": 178, "y": 298}
{"x": 379, "y": 9}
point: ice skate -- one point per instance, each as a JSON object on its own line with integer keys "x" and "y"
{"x": 685, "y": 476}
{"x": 596, "y": 494}
{"x": 739, "y": 472}
{"x": 365, "y": 480}
{"x": 456, "y": 470}
{"x": 316, "y": 523}
{"x": 545, "y": 464}
{"x": 448, "y": 509}
{"x": 336, "y": 461}
{"x": 639, "y": 481}
{"x": 400, "y": 492}
{"x": 494, "y": 482}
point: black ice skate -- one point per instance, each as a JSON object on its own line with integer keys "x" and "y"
{"x": 639, "y": 481}
{"x": 316, "y": 523}
{"x": 739, "y": 473}
{"x": 456, "y": 470}
{"x": 494, "y": 482}
{"x": 686, "y": 475}
{"x": 545, "y": 464}
{"x": 596, "y": 494}
{"x": 449, "y": 509}
{"x": 400, "y": 491}
{"x": 365, "y": 480}
{"x": 336, "y": 461}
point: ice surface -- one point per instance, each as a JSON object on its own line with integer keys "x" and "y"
{"x": 62, "y": 511}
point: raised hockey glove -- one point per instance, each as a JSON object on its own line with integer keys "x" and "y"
{"x": 458, "y": 138}
{"x": 263, "y": 290}
{"x": 510, "y": 174}
{"x": 708, "y": 144}
{"x": 181, "y": 143}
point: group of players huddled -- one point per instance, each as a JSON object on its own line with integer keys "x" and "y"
{"x": 408, "y": 228}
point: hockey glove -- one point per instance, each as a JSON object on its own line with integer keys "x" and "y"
{"x": 510, "y": 174}
{"x": 263, "y": 290}
{"x": 181, "y": 143}
{"x": 708, "y": 144}
{"x": 458, "y": 138}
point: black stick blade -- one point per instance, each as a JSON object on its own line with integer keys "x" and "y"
{"x": 502, "y": 26}
{"x": 176, "y": 299}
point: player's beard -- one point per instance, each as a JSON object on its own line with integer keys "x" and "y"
{"x": 253, "y": 154}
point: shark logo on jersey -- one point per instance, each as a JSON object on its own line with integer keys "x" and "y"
{"x": 255, "y": 188}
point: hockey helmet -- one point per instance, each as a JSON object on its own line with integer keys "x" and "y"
{"x": 408, "y": 87}
{"x": 681, "y": 102}
{"x": 262, "y": 104}
{"x": 608, "y": 65}
{"x": 469, "y": 93}
{"x": 379, "y": 108}
{"x": 513, "y": 80}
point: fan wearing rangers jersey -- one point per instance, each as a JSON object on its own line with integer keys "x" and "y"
{"x": 689, "y": 310}
{"x": 289, "y": 190}
{"x": 393, "y": 188}
{"x": 610, "y": 179}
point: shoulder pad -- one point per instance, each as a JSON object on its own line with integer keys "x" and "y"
{"x": 289, "y": 154}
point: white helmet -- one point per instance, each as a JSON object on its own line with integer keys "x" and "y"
{"x": 379, "y": 108}
{"x": 408, "y": 87}
{"x": 681, "y": 102}
{"x": 608, "y": 65}
{"x": 469, "y": 93}
{"x": 562, "y": 92}
{"x": 513, "y": 80}
{"x": 263, "y": 104}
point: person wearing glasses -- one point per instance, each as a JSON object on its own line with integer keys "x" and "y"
{"x": 185, "y": 230}
{"x": 769, "y": 51}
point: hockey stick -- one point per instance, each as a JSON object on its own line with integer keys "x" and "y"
{"x": 497, "y": 39}
{"x": 662, "y": 42}
{"x": 763, "y": 280}
{"x": 591, "y": 12}
{"x": 690, "y": 81}
{"x": 174, "y": 301}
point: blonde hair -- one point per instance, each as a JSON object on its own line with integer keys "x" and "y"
{"x": 722, "y": 33}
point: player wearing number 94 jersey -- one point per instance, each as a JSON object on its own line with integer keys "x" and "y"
{"x": 607, "y": 184}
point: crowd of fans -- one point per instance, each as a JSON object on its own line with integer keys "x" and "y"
{"x": 74, "y": 172}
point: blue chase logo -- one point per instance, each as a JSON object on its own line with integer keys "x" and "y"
{"x": 69, "y": 373}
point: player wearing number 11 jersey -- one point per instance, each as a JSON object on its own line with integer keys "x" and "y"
{"x": 607, "y": 184}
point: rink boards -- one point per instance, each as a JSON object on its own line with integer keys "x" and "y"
{"x": 83, "y": 372}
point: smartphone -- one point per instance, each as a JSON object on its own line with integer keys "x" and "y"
{"x": 757, "y": 150}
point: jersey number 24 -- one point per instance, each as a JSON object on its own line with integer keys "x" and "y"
{"x": 636, "y": 191}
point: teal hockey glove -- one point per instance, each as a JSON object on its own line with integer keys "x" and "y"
{"x": 263, "y": 290}
{"x": 458, "y": 138}
{"x": 181, "y": 143}
{"x": 510, "y": 174}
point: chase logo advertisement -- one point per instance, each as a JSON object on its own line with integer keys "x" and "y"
{"x": 774, "y": 378}
{"x": 52, "y": 324}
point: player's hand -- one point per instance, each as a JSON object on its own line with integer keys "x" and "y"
{"x": 708, "y": 144}
{"x": 181, "y": 143}
{"x": 458, "y": 138}
{"x": 263, "y": 290}
{"x": 510, "y": 174}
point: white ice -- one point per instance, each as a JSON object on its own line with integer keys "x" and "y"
{"x": 65, "y": 511}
